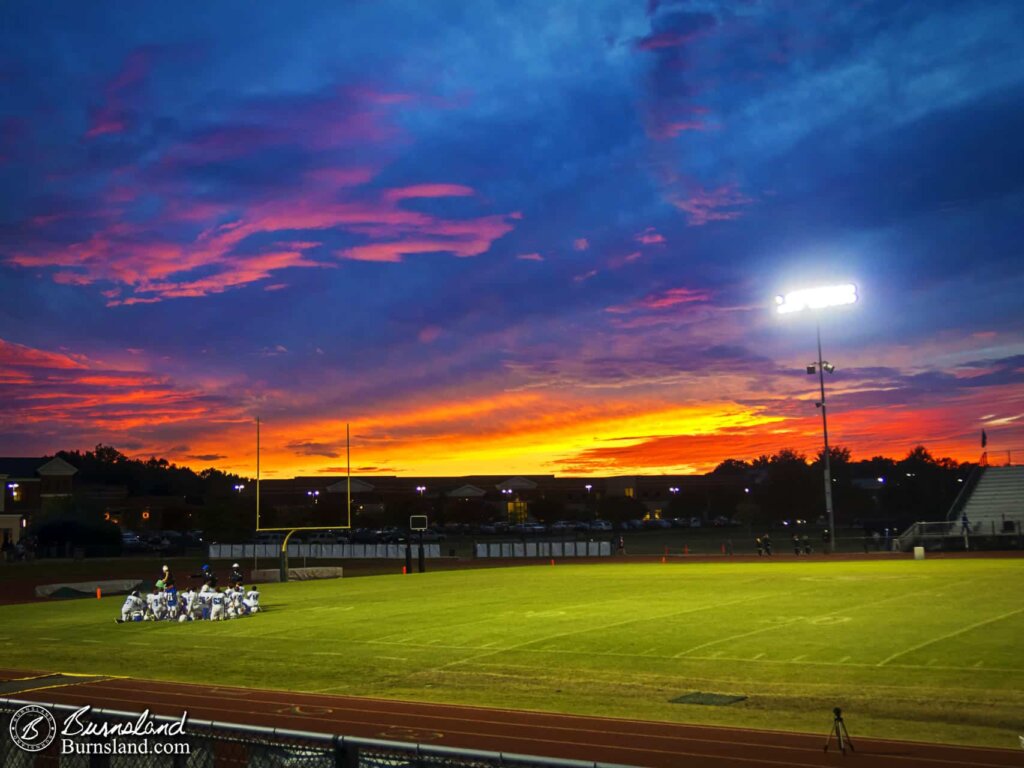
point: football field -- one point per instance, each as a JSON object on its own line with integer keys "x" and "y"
{"x": 911, "y": 650}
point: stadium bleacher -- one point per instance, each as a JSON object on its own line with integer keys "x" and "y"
{"x": 997, "y": 500}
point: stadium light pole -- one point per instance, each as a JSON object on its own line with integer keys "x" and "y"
{"x": 820, "y": 298}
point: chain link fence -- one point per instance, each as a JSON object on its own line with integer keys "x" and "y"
{"x": 97, "y": 743}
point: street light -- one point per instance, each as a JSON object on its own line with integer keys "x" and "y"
{"x": 314, "y": 495}
{"x": 239, "y": 487}
{"x": 821, "y": 298}
{"x": 421, "y": 489}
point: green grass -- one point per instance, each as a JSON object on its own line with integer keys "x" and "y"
{"x": 914, "y": 650}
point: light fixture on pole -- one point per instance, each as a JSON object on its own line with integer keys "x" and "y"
{"x": 821, "y": 298}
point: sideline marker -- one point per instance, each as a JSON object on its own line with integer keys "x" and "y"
{"x": 552, "y": 561}
{"x": 99, "y": 593}
{"x": 663, "y": 558}
{"x": 723, "y": 548}
{"x": 686, "y": 549}
{"x": 404, "y": 572}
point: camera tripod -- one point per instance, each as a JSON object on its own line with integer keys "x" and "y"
{"x": 840, "y": 732}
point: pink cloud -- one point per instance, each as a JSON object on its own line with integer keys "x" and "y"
{"x": 580, "y": 244}
{"x": 429, "y": 334}
{"x": 18, "y": 356}
{"x": 649, "y": 237}
{"x": 428, "y": 190}
{"x": 671, "y": 298}
{"x": 674, "y": 296}
{"x": 125, "y": 253}
{"x": 672, "y": 129}
{"x": 530, "y": 257}
{"x": 148, "y": 264}
{"x": 463, "y": 238}
{"x": 584, "y": 276}
{"x": 617, "y": 262}
{"x": 111, "y": 116}
{"x": 69, "y": 397}
{"x": 719, "y": 204}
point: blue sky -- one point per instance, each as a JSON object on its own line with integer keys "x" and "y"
{"x": 529, "y": 237}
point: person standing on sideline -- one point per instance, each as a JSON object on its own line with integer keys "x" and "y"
{"x": 622, "y": 545}
{"x": 235, "y": 579}
{"x": 760, "y": 546}
{"x": 796, "y": 544}
{"x": 768, "y": 545}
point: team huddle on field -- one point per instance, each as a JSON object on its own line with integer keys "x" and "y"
{"x": 209, "y": 603}
{"x": 206, "y": 604}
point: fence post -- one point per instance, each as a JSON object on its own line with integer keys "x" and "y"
{"x": 345, "y": 755}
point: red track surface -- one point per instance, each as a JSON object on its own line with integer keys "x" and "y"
{"x": 629, "y": 742}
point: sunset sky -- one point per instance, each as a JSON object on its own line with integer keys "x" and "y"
{"x": 509, "y": 237}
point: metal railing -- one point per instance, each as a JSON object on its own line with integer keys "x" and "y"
{"x": 950, "y": 535}
{"x": 1005, "y": 457}
{"x": 211, "y": 744}
{"x": 965, "y": 493}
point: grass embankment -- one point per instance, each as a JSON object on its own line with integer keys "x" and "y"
{"x": 913, "y": 650}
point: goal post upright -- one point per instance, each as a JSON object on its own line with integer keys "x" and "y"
{"x": 290, "y": 529}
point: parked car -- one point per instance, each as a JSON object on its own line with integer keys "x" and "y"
{"x": 364, "y": 536}
{"x": 655, "y": 523}
{"x": 427, "y": 537}
{"x": 600, "y": 525}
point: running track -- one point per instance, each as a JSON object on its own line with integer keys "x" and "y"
{"x": 629, "y": 742}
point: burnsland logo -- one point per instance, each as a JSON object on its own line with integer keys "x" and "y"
{"x": 33, "y": 728}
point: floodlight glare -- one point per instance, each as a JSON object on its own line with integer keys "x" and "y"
{"x": 829, "y": 368}
{"x": 816, "y": 298}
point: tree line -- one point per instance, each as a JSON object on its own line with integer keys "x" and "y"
{"x": 787, "y": 485}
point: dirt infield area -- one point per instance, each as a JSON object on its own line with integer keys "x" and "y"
{"x": 627, "y": 742}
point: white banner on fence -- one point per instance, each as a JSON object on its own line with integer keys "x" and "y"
{"x": 543, "y": 549}
{"x": 320, "y": 551}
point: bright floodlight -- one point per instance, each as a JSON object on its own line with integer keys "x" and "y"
{"x": 817, "y": 298}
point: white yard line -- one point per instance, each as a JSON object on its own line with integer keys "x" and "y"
{"x": 782, "y": 624}
{"x": 949, "y": 635}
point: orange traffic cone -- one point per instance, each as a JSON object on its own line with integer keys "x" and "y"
{"x": 99, "y": 593}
